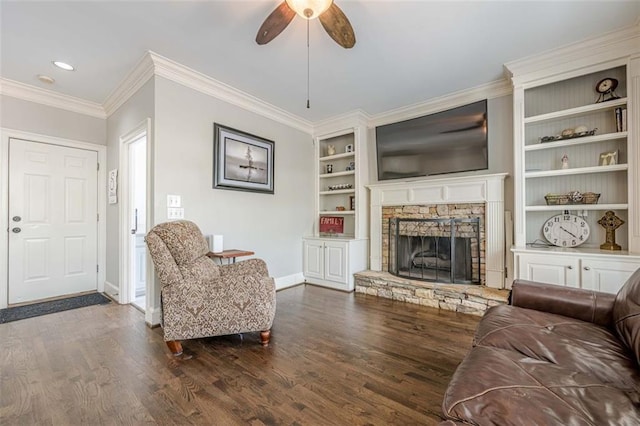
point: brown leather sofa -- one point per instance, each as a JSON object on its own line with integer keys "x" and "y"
{"x": 554, "y": 356}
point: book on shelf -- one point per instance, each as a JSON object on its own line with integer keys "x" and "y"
{"x": 621, "y": 119}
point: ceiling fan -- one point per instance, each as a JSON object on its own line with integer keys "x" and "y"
{"x": 331, "y": 17}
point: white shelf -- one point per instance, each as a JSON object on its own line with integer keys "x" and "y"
{"x": 337, "y": 156}
{"x": 336, "y": 174}
{"x": 545, "y": 208}
{"x": 576, "y": 141}
{"x": 337, "y": 212}
{"x": 338, "y": 191}
{"x": 602, "y": 106}
{"x": 576, "y": 171}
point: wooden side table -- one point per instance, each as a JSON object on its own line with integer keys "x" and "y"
{"x": 230, "y": 254}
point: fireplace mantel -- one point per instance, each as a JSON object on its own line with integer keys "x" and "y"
{"x": 487, "y": 189}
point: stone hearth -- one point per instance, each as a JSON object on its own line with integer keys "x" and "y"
{"x": 468, "y": 299}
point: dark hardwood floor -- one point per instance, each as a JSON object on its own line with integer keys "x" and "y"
{"x": 334, "y": 359}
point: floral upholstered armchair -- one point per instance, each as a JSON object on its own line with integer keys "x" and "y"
{"x": 201, "y": 298}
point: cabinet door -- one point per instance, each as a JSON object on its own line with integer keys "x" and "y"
{"x": 335, "y": 264}
{"x": 314, "y": 259}
{"x": 560, "y": 270}
{"x": 605, "y": 275}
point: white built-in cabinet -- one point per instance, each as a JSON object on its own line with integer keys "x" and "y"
{"x": 548, "y": 98}
{"x": 331, "y": 259}
{"x": 332, "y": 263}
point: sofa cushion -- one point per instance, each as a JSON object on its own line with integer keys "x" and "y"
{"x": 576, "y": 345}
{"x": 506, "y": 387}
{"x": 626, "y": 314}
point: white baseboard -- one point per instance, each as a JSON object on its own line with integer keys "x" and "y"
{"x": 153, "y": 316}
{"x": 112, "y": 290}
{"x": 289, "y": 281}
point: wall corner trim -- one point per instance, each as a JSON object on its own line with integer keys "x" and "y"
{"x": 289, "y": 281}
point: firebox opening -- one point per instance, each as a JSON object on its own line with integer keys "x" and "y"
{"x": 442, "y": 250}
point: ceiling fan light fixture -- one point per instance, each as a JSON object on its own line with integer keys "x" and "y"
{"x": 309, "y": 9}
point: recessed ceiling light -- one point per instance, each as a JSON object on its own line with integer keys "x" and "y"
{"x": 63, "y": 65}
{"x": 45, "y": 79}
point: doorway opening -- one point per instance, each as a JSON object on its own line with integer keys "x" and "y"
{"x": 134, "y": 217}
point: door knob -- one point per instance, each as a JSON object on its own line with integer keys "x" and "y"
{"x": 569, "y": 267}
{"x": 16, "y": 230}
{"x": 16, "y": 218}
{"x": 586, "y": 268}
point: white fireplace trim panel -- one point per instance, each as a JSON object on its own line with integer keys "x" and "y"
{"x": 487, "y": 189}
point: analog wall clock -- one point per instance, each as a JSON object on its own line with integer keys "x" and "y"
{"x": 566, "y": 230}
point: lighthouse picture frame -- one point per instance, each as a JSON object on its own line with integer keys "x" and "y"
{"x": 242, "y": 161}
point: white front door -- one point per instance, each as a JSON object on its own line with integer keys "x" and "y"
{"x": 53, "y": 226}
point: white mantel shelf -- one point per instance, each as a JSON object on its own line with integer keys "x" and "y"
{"x": 487, "y": 189}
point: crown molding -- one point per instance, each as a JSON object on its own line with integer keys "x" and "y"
{"x": 195, "y": 80}
{"x": 50, "y": 98}
{"x": 343, "y": 121}
{"x": 491, "y": 90}
{"x": 133, "y": 81}
{"x": 608, "y": 47}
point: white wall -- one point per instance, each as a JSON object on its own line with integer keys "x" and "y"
{"x": 18, "y": 114}
{"x": 271, "y": 225}
{"x": 136, "y": 109}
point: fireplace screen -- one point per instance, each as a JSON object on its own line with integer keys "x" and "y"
{"x": 443, "y": 250}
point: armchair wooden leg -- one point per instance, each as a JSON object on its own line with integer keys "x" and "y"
{"x": 265, "y": 336}
{"x": 175, "y": 347}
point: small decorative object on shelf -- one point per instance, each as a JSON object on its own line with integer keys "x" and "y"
{"x": 348, "y": 148}
{"x": 331, "y": 224}
{"x": 573, "y": 197}
{"x": 610, "y": 222}
{"x": 340, "y": 186}
{"x": 566, "y": 230}
{"x": 340, "y": 208}
{"x": 331, "y": 149}
{"x": 352, "y": 202}
{"x": 578, "y": 132}
{"x": 609, "y": 158}
{"x": 565, "y": 161}
{"x": 329, "y": 168}
{"x": 606, "y": 89}
{"x": 351, "y": 166}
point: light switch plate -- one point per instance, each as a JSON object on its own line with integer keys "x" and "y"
{"x": 175, "y": 213}
{"x": 174, "y": 201}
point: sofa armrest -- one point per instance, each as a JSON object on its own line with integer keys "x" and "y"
{"x": 585, "y": 305}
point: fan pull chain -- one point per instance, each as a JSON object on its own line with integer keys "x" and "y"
{"x": 308, "y": 64}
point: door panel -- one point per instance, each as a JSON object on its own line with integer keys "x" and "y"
{"x": 53, "y": 218}
{"x": 549, "y": 269}
{"x": 336, "y": 262}
{"x": 313, "y": 259}
{"x": 607, "y": 276}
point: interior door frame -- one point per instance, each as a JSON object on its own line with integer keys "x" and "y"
{"x": 7, "y": 134}
{"x": 144, "y": 128}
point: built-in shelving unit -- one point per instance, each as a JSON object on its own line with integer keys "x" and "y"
{"x": 546, "y": 105}
{"x": 331, "y": 258}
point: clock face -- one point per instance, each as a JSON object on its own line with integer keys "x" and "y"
{"x": 566, "y": 230}
{"x": 606, "y": 84}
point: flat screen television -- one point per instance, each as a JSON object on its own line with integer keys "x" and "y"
{"x": 445, "y": 142}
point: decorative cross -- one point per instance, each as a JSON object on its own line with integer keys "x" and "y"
{"x": 610, "y": 222}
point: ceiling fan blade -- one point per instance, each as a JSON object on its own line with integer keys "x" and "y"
{"x": 275, "y": 23}
{"x": 338, "y": 26}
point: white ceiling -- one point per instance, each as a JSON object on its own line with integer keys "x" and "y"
{"x": 406, "y": 51}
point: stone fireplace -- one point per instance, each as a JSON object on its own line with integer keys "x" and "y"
{"x": 471, "y": 196}
{"x": 476, "y": 199}
{"x": 439, "y": 243}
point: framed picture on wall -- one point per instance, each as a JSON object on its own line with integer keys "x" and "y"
{"x": 241, "y": 161}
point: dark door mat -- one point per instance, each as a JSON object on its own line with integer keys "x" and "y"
{"x": 44, "y": 308}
